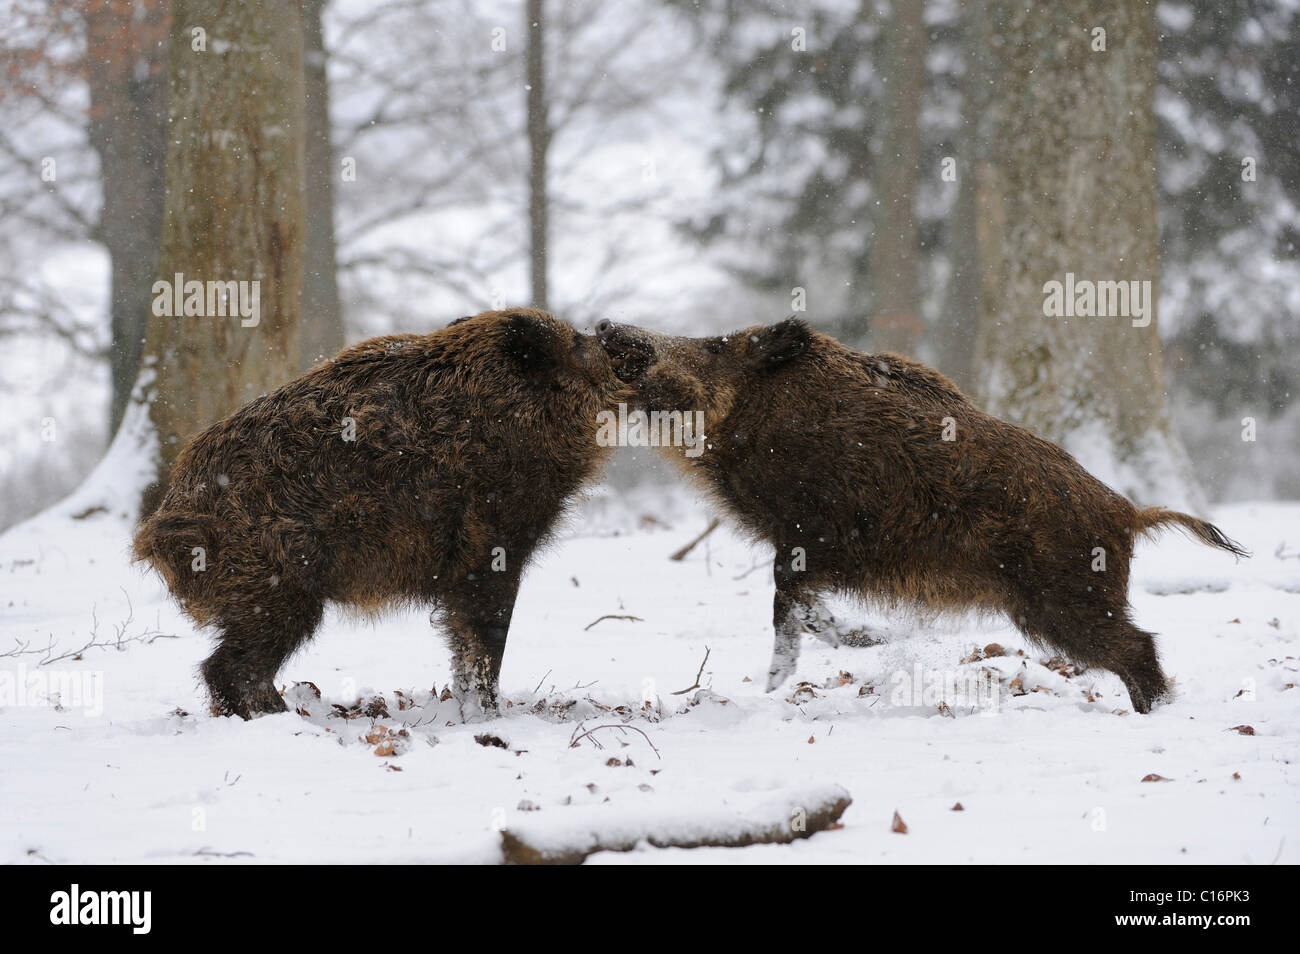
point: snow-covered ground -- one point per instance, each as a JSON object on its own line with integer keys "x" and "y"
{"x": 1049, "y": 765}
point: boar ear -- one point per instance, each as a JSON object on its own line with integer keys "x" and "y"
{"x": 780, "y": 343}
{"x": 459, "y": 320}
{"x": 529, "y": 342}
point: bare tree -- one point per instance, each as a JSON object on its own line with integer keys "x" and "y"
{"x": 428, "y": 101}
{"x": 1066, "y": 195}
{"x": 539, "y": 139}
{"x": 115, "y": 48}
{"x": 954, "y": 333}
{"x": 895, "y": 267}
{"x": 234, "y": 213}
{"x": 127, "y": 74}
{"x": 322, "y": 313}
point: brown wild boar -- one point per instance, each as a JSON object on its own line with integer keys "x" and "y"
{"x": 418, "y": 469}
{"x": 839, "y": 460}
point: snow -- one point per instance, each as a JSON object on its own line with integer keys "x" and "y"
{"x": 129, "y": 768}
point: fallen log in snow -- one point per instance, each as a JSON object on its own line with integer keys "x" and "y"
{"x": 746, "y": 818}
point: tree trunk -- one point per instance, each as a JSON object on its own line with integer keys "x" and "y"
{"x": 539, "y": 138}
{"x": 234, "y": 212}
{"x": 955, "y": 331}
{"x": 1066, "y": 192}
{"x": 126, "y": 72}
{"x": 895, "y": 281}
{"x": 322, "y": 322}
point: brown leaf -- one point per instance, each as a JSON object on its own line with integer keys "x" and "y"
{"x": 384, "y": 749}
{"x": 1243, "y": 729}
{"x": 958, "y": 808}
{"x": 1237, "y": 776}
{"x": 899, "y": 826}
{"x": 993, "y": 649}
{"x": 811, "y": 739}
{"x": 494, "y": 741}
{"x": 1153, "y": 777}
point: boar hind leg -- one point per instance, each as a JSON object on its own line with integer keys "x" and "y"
{"x": 478, "y": 616}
{"x": 822, "y": 624}
{"x": 255, "y": 641}
{"x": 1108, "y": 640}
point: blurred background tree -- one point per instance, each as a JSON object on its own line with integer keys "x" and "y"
{"x": 703, "y": 159}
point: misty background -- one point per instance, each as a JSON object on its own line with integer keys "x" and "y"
{"x": 693, "y": 167}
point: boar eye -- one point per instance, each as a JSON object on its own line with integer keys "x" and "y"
{"x": 713, "y": 346}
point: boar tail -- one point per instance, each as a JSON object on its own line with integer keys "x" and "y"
{"x": 167, "y": 541}
{"x": 1152, "y": 518}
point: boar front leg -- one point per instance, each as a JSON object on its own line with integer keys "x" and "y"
{"x": 792, "y": 607}
{"x": 478, "y": 616}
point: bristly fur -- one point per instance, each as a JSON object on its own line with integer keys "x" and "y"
{"x": 463, "y": 441}
{"x": 873, "y": 475}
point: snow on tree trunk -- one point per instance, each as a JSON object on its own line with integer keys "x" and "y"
{"x": 233, "y": 216}
{"x": 1066, "y": 192}
{"x": 126, "y": 74}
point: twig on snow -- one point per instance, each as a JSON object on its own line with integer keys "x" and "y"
{"x": 703, "y": 663}
{"x": 576, "y": 738}
{"x": 635, "y": 619}
{"x": 680, "y": 555}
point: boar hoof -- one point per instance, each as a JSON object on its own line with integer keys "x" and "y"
{"x": 776, "y": 677}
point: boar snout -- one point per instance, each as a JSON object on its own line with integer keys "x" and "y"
{"x": 630, "y": 349}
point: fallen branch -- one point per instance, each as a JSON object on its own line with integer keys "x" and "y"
{"x": 635, "y": 619}
{"x": 733, "y": 824}
{"x": 118, "y": 641}
{"x": 576, "y": 738}
{"x": 682, "y": 692}
{"x": 680, "y": 555}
